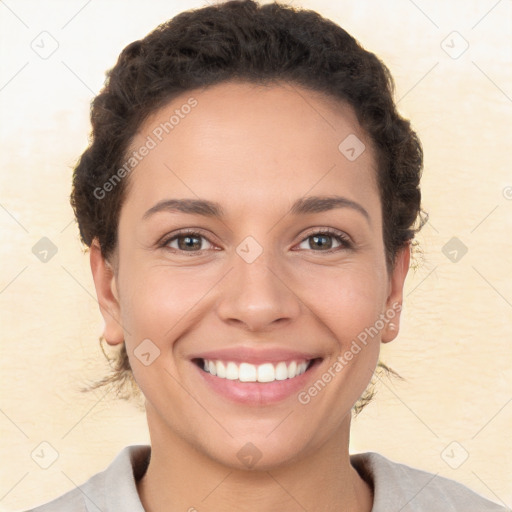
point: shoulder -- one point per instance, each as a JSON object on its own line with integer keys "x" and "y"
{"x": 401, "y": 487}
{"x": 72, "y": 500}
{"x": 79, "y": 499}
{"x": 114, "y": 488}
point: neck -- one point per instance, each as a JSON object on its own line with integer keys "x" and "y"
{"x": 179, "y": 477}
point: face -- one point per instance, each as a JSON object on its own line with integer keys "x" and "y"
{"x": 267, "y": 275}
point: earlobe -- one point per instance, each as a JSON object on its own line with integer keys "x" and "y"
{"x": 395, "y": 297}
{"x": 107, "y": 293}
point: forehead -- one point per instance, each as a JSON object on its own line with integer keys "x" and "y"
{"x": 254, "y": 145}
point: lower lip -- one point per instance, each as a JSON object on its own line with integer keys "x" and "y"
{"x": 257, "y": 393}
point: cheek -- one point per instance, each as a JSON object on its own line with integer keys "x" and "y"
{"x": 156, "y": 307}
{"x": 347, "y": 300}
{"x": 158, "y": 299}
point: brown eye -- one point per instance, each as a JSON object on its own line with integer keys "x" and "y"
{"x": 321, "y": 241}
{"x": 325, "y": 241}
{"x": 189, "y": 242}
{"x": 186, "y": 242}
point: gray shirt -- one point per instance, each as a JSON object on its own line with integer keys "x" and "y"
{"x": 396, "y": 487}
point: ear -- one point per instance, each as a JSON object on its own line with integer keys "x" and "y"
{"x": 395, "y": 294}
{"x": 107, "y": 293}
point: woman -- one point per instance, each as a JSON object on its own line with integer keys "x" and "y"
{"x": 249, "y": 197}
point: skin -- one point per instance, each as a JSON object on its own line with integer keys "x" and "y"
{"x": 254, "y": 150}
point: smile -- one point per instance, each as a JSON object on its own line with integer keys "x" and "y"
{"x": 247, "y": 372}
{"x": 255, "y": 377}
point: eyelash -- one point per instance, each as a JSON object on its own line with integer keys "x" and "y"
{"x": 340, "y": 237}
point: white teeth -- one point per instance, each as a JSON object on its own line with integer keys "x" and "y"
{"x": 232, "y": 371}
{"x": 221, "y": 369}
{"x": 266, "y": 373}
{"x": 246, "y": 372}
{"x": 292, "y": 369}
{"x": 281, "y": 371}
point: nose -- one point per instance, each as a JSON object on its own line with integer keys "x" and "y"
{"x": 257, "y": 296}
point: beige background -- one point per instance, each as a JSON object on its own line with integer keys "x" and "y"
{"x": 454, "y": 347}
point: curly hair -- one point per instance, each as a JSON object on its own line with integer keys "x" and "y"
{"x": 259, "y": 44}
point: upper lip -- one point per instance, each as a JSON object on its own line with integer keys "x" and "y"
{"x": 255, "y": 356}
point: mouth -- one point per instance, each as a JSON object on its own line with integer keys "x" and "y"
{"x": 262, "y": 373}
{"x": 256, "y": 384}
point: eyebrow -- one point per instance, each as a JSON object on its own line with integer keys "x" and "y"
{"x": 303, "y": 206}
